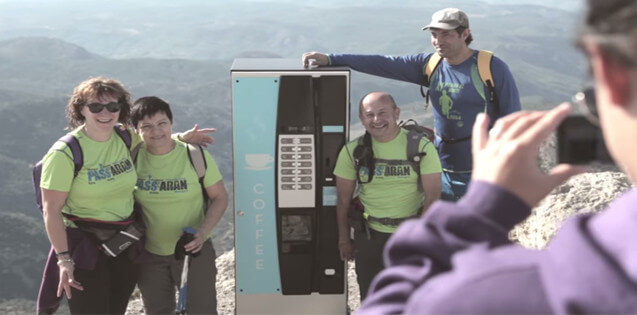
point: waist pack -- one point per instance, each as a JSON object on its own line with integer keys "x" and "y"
{"x": 360, "y": 222}
{"x": 113, "y": 236}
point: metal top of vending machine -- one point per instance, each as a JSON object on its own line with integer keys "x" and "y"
{"x": 276, "y": 64}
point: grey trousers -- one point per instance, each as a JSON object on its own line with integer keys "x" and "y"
{"x": 368, "y": 255}
{"x": 159, "y": 279}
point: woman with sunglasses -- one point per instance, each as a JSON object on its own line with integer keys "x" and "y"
{"x": 102, "y": 190}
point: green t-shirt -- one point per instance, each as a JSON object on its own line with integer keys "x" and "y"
{"x": 103, "y": 188}
{"x": 394, "y": 191}
{"x": 170, "y": 194}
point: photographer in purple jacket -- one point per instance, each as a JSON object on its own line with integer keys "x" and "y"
{"x": 458, "y": 258}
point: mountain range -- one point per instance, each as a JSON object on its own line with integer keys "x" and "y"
{"x": 182, "y": 52}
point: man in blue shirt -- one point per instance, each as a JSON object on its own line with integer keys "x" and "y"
{"x": 456, "y": 91}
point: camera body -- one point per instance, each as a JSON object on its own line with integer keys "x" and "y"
{"x": 581, "y": 142}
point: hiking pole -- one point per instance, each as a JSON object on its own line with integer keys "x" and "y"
{"x": 183, "y": 286}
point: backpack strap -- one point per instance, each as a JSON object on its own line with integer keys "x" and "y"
{"x": 415, "y": 132}
{"x": 76, "y": 152}
{"x": 430, "y": 67}
{"x": 124, "y": 134}
{"x": 134, "y": 152}
{"x": 484, "y": 69}
{"x": 128, "y": 141}
{"x": 196, "y": 155}
{"x": 364, "y": 156}
{"x": 198, "y": 161}
{"x": 413, "y": 155}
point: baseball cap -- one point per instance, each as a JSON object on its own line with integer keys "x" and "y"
{"x": 448, "y": 19}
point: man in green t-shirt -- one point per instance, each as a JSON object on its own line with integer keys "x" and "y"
{"x": 395, "y": 192}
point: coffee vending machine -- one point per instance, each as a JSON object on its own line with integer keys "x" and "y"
{"x": 289, "y": 124}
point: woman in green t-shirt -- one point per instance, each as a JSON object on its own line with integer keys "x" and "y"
{"x": 172, "y": 198}
{"x": 102, "y": 190}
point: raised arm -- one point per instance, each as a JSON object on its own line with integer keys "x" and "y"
{"x": 197, "y": 136}
{"x": 405, "y": 68}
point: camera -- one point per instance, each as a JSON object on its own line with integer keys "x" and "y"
{"x": 579, "y": 137}
{"x": 579, "y": 141}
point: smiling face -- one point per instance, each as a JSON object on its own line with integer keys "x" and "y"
{"x": 102, "y": 121}
{"x": 379, "y": 113}
{"x": 448, "y": 43}
{"x": 156, "y": 131}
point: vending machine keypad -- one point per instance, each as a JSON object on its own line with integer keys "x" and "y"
{"x": 296, "y": 175}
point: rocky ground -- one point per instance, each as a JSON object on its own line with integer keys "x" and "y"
{"x": 225, "y": 288}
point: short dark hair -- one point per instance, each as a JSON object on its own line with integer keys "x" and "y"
{"x": 613, "y": 25}
{"x": 148, "y": 106}
{"x": 461, "y": 29}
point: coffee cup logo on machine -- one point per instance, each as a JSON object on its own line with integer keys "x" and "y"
{"x": 258, "y": 161}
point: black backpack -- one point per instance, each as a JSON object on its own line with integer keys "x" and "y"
{"x": 78, "y": 159}
{"x": 364, "y": 154}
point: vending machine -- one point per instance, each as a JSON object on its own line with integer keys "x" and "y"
{"x": 289, "y": 124}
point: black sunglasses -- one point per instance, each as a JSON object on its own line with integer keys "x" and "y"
{"x": 112, "y": 107}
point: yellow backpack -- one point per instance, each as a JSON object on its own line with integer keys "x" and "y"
{"x": 484, "y": 70}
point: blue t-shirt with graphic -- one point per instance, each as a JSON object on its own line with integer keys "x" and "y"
{"x": 456, "y": 92}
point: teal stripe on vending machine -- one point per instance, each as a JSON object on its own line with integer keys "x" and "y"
{"x": 289, "y": 125}
{"x": 254, "y": 152}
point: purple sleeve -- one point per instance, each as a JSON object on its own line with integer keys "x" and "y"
{"x": 421, "y": 249}
{"x": 405, "y": 68}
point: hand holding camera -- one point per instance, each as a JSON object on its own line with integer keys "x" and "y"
{"x": 508, "y": 157}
